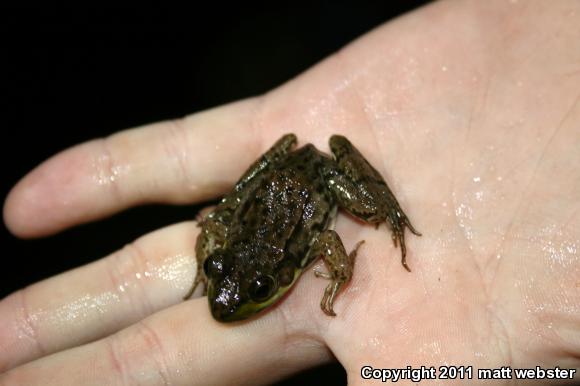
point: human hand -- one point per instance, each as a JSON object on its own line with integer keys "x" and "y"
{"x": 469, "y": 109}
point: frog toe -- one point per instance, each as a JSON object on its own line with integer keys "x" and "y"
{"x": 326, "y": 302}
{"x": 411, "y": 228}
{"x": 329, "y": 311}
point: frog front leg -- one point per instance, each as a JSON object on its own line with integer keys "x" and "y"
{"x": 211, "y": 237}
{"x": 362, "y": 191}
{"x": 339, "y": 264}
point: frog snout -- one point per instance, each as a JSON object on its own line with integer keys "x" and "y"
{"x": 223, "y": 300}
{"x": 221, "y": 311}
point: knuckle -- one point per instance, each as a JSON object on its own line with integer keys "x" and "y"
{"x": 28, "y": 326}
{"x": 107, "y": 169}
{"x": 117, "y": 360}
{"x": 176, "y": 148}
{"x": 140, "y": 354}
{"x": 126, "y": 268}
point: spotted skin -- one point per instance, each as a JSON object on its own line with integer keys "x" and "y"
{"x": 279, "y": 218}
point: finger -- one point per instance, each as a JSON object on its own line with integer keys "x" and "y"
{"x": 181, "y": 345}
{"x": 92, "y": 301}
{"x": 178, "y": 161}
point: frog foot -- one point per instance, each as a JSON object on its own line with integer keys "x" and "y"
{"x": 328, "y": 298}
{"x": 399, "y": 221}
{"x": 340, "y": 267}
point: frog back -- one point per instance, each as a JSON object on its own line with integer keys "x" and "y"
{"x": 283, "y": 211}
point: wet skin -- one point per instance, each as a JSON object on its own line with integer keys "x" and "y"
{"x": 280, "y": 217}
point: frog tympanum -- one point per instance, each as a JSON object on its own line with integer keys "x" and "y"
{"x": 279, "y": 218}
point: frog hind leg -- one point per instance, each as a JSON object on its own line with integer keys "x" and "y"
{"x": 272, "y": 156}
{"x": 223, "y": 212}
{"x": 339, "y": 263}
{"x": 362, "y": 191}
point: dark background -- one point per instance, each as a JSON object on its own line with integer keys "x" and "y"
{"x": 71, "y": 76}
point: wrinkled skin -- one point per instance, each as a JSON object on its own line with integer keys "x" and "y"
{"x": 471, "y": 112}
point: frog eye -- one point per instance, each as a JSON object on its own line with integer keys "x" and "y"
{"x": 262, "y": 288}
{"x": 216, "y": 265}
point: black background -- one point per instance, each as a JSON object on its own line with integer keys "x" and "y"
{"x": 71, "y": 76}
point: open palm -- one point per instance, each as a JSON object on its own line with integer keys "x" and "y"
{"x": 471, "y": 111}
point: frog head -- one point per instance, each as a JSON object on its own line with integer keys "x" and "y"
{"x": 239, "y": 288}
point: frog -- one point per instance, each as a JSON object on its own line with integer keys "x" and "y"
{"x": 279, "y": 218}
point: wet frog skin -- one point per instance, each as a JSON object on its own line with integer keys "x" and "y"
{"x": 279, "y": 218}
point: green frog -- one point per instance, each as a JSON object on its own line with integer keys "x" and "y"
{"x": 279, "y": 218}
